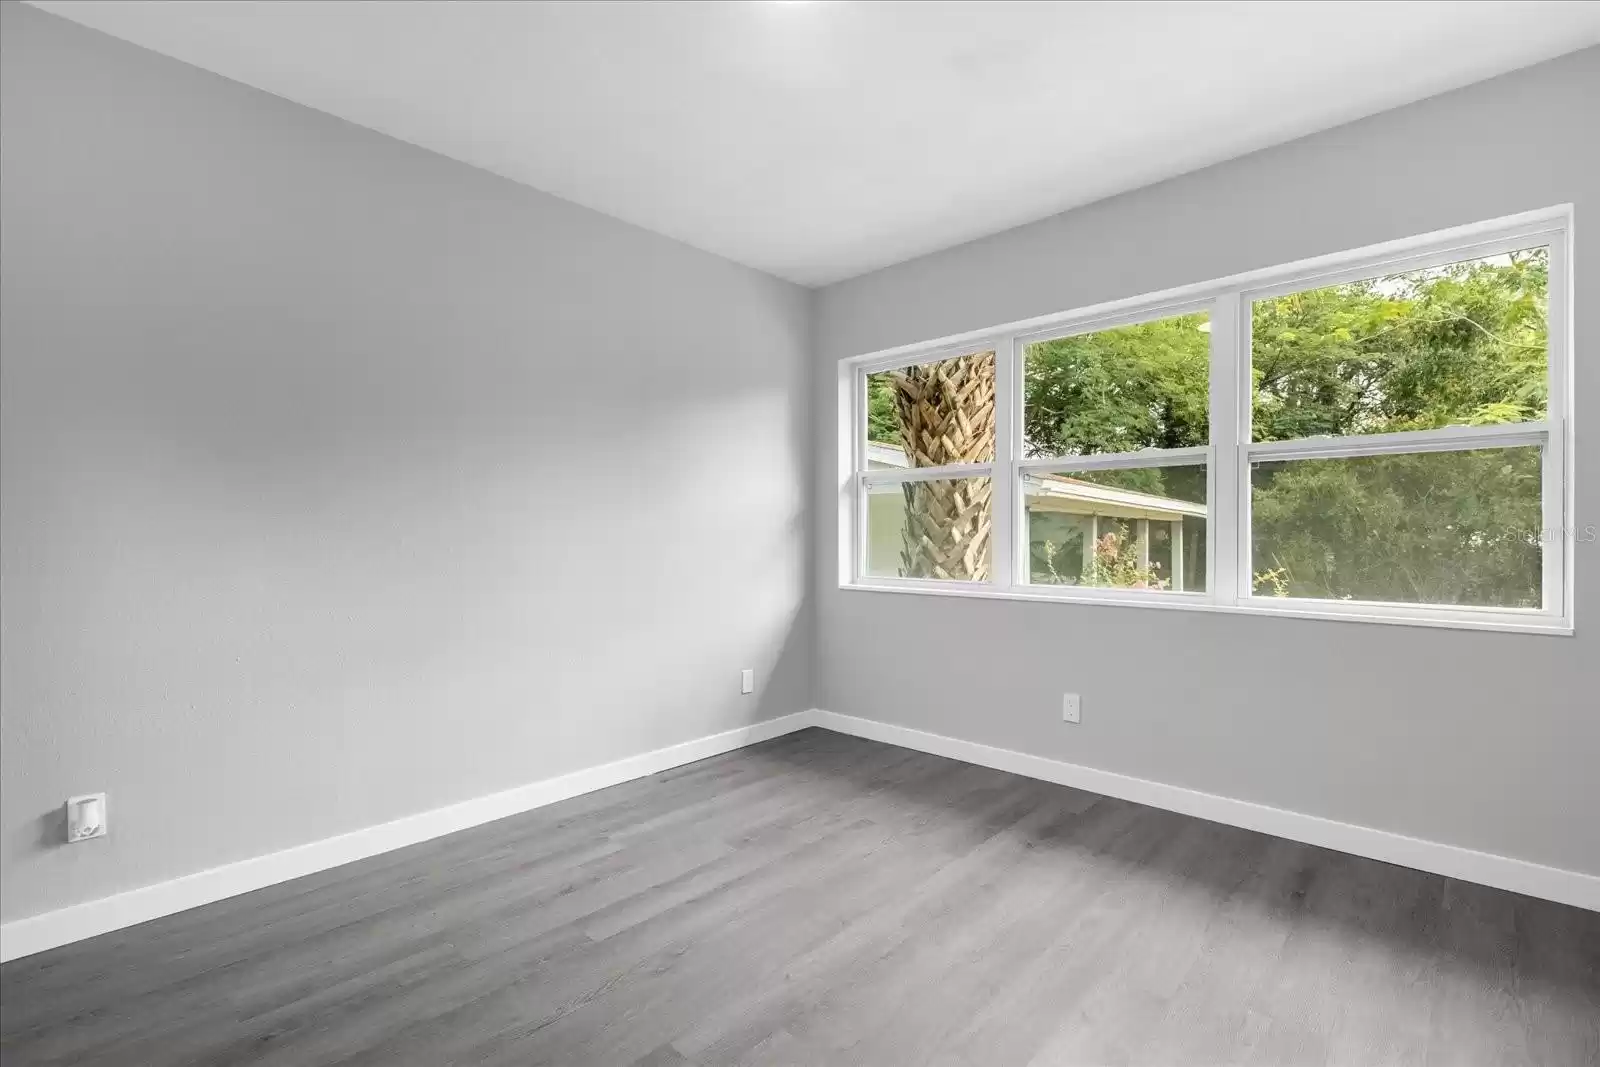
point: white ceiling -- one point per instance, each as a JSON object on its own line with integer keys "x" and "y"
{"x": 818, "y": 140}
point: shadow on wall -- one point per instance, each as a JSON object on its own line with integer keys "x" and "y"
{"x": 467, "y": 615}
{"x": 52, "y": 826}
{"x": 343, "y": 481}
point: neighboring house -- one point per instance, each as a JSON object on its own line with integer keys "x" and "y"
{"x": 1067, "y": 513}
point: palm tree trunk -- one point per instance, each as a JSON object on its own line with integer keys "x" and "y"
{"x": 946, "y": 415}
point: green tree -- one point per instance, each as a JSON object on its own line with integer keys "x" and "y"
{"x": 1456, "y": 345}
{"x": 1438, "y": 528}
{"x": 1119, "y": 390}
{"x": 883, "y": 421}
{"x": 1463, "y": 344}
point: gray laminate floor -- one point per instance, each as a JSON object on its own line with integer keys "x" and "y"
{"x": 826, "y": 900}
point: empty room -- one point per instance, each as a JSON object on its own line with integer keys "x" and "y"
{"x": 799, "y": 532}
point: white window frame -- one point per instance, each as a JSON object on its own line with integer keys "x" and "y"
{"x": 1231, "y": 451}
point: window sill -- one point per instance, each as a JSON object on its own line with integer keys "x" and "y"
{"x": 1465, "y": 619}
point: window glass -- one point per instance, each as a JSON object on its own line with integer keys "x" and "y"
{"x": 932, "y": 413}
{"x": 1119, "y": 390}
{"x": 935, "y": 529}
{"x": 1129, "y": 529}
{"x": 1459, "y": 345}
{"x": 1422, "y": 528}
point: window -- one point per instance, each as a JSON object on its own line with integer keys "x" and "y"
{"x": 1375, "y": 435}
{"x": 939, "y": 415}
{"x": 1133, "y": 528}
{"x": 1115, "y": 429}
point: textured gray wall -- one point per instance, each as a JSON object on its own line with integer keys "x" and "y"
{"x": 1485, "y": 740}
{"x": 342, "y": 481}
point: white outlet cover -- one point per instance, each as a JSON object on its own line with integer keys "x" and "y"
{"x": 747, "y": 681}
{"x": 1071, "y": 710}
{"x": 86, "y": 817}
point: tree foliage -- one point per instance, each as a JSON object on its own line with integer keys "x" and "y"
{"x": 1437, "y": 528}
{"x": 1119, "y": 390}
{"x": 883, "y": 423}
{"x": 1457, "y": 345}
{"x": 1115, "y": 562}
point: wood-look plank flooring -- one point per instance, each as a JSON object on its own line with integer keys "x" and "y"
{"x": 826, "y": 900}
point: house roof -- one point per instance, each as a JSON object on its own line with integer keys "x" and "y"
{"x": 1059, "y": 492}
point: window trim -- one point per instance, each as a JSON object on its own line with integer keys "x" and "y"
{"x": 1231, "y": 451}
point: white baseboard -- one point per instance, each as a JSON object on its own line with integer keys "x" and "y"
{"x": 24, "y": 937}
{"x": 1501, "y": 872}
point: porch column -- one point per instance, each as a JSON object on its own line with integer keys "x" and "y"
{"x": 1177, "y": 555}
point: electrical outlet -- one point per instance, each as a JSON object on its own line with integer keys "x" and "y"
{"x": 86, "y": 817}
{"x": 1071, "y": 710}
{"x": 747, "y": 681}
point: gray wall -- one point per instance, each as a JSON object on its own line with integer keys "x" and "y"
{"x": 1484, "y": 740}
{"x": 342, "y": 481}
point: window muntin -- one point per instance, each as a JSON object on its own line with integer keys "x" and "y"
{"x": 1250, "y": 459}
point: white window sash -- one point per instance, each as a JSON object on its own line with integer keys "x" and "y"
{"x": 1112, "y": 461}
{"x": 1407, "y": 443}
{"x": 948, "y": 472}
